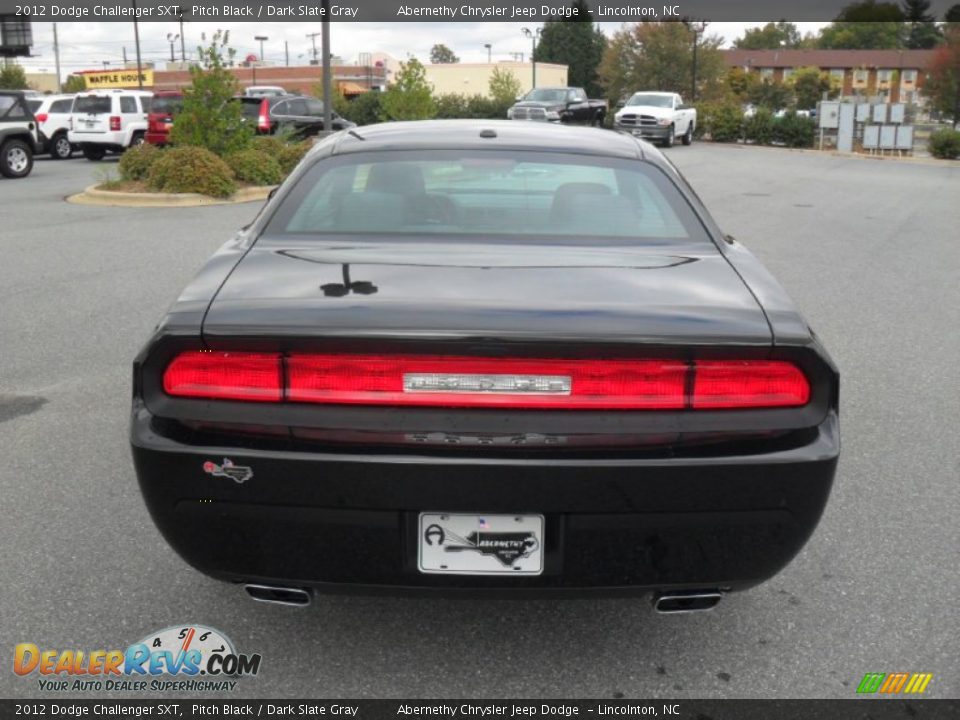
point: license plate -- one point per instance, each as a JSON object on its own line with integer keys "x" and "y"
{"x": 463, "y": 544}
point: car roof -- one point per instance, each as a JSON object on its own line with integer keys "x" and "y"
{"x": 507, "y": 135}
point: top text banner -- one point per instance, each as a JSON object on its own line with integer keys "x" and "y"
{"x": 223, "y": 11}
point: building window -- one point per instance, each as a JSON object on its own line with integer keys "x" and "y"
{"x": 766, "y": 73}
{"x": 787, "y": 72}
{"x": 883, "y": 76}
{"x": 837, "y": 74}
{"x": 860, "y": 77}
{"x": 908, "y": 77}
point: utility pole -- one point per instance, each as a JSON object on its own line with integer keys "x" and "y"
{"x": 56, "y": 55}
{"x": 136, "y": 37}
{"x": 534, "y": 36}
{"x": 489, "y": 48}
{"x": 183, "y": 43}
{"x": 286, "y": 52}
{"x": 313, "y": 39}
{"x": 697, "y": 28}
{"x": 327, "y": 91}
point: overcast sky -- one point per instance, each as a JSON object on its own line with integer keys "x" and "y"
{"x": 87, "y": 45}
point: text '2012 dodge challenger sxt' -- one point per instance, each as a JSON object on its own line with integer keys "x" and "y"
{"x": 478, "y": 356}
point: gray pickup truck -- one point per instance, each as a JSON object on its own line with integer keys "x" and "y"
{"x": 560, "y": 105}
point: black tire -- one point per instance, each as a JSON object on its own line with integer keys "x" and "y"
{"x": 137, "y": 140}
{"x": 60, "y": 147}
{"x": 670, "y": 138}
{"x": 688, "y": 135}
{"x": 93, "y": 152}
{"x": 16, "y": 158}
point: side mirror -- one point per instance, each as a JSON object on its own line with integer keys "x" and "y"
{"x": 272, "y": 193}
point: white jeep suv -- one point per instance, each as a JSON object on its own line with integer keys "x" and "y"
{"x": 108, "y": 120}
{"x": 53, "y": 118}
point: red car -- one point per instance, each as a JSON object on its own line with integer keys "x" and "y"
{"x": 164, "y": 106}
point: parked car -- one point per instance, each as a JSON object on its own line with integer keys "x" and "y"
{"x": 476, "y": 356}
{"x": 19, "y": 134}
{"x": 559, "y": 104}
{"x": 163, "y": 108}
{"x": 260, "y": 91}
{"x": 298, "y": 115}
{"x": 53, "y": 119}
{"x": 660, "y": 116}
{"x": 105, "y": 121}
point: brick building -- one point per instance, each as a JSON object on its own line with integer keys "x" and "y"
{"x": 892, "y": 75}
{"x": 349, "y": 79}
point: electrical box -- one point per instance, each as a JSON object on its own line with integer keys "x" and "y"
{"x": 863, "y": 112}
{"x": 888, "y": 137}
{"x": 829, "y": 115}
{"x": 880, "y": 113}
{"x": 871, "y": 137}
{"x": 897, "y": 113}
{"x": 905, "y": 137}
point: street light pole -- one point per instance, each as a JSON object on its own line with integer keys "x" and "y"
{"x": 171, "y": 38}
{"x": 183, "y": 43}
{"x": 489, "y": 48}
{"x": 325, "y": 70}
{"x": 534, "y": 36}
{"x": 697, "y": 29}
{"x": 136, "y": 38}
{"x": 262, "y": 39}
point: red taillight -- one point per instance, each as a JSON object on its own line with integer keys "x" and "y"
{"x": 748, "y": 383}
{"x": 485, "y": 382}
{"x": 263, "y": 120}
{"x": 225, "y": 376}
{"x": 114, "y": 122}
{"x": 454, "y": 381}
{"x": 41, "y": 117}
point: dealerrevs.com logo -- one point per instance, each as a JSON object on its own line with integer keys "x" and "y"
{"x": 184, "y": 658}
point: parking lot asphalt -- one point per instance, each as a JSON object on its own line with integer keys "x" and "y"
{"x": 868, "y": 249}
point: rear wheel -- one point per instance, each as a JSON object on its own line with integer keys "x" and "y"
{"x": 93, "y": 152}
{"x": 688, "y": 135}
{"x": 137, "y": 140}
{"x": 668, "y": 140}
{"x": 16, "y": 159}
{"x": 60, "y": 147}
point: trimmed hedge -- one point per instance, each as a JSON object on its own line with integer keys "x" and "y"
{"x": 192, "y": 170}
{"x": 795, "y": 130}
{"x": 945, "y": 144}
{"x": 136, "y": 162}
{"x": 291, "y": 154}
{"x": 722, "y": 121}
{"x": 760, "y": 127}
{"x": 255, "y": 166}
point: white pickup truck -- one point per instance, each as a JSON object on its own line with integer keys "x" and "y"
{"x": 659, "y": 116}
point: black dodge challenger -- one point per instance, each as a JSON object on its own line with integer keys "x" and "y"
{"x": 472, "y": 356}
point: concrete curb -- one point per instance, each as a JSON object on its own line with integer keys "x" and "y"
{"x": 94, "y": 196}
{"x": 911, "y": 159}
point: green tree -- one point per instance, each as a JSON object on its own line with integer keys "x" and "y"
{"x": 808, "y": 85}
{"x": 440, "y": 54}
{"x": 74, "y": 84}
{"x": 771, "y": 36}
{"x": 365, "y": 109}
{"x": 410, "y": 96}
{"x": 12, "y": 77}
{"x": 577, "y": 43}
{"x": 866, "y": 25}
{"x": 209, "y": 119}
{"x": 658, "y": 56}
{"x": 943, "y": 76}
{"x": 921, "y": 32}
{"x": 504, "y": 86}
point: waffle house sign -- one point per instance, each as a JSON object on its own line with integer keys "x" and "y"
{"x": 111, "y": 79}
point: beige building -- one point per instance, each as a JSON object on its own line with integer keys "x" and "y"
{"x": 45, "y": 82}
{"x": 474, "y": 78}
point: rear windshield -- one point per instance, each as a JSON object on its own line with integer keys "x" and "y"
{"x": 34, "y": 105}
{"x": 250, "y": 107}
{"x": 92, "y": 105}
{"x": 169, "y": 104}
{"x": 507, "y": 195}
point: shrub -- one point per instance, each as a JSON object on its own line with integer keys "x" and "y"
{"x": 192, "y": 170}
{"x": 759, "y": 128}
{"x": 945, "y": 143}
{"x": 210, "y": 118}
{"x": 365, "y": 109}
{"x": 794, "y": 130}
{"x": 722, "y": 121}
{"x": 136, "y": 162}
{"x": 451, "y": 105}
{"x": 409, "y": 97}
{"x": 291, "y": 154}
{"x": 272, "y": 145}
{"x": 255, "y": 166}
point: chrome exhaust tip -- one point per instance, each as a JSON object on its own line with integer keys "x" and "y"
{"x": 291, "y": 596}
{"x": 686, "y": 602}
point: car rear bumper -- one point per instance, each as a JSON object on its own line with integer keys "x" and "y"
{"x": 113, "y": 139}
{"x": 157, "y": 138}
{"x": 350, "y": 519}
